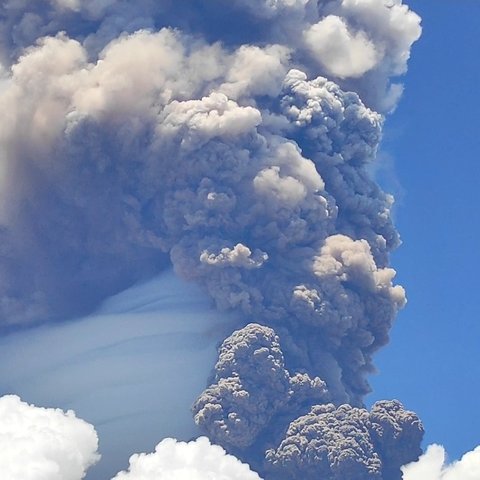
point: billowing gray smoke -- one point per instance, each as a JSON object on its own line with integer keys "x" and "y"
{"x": 206, "y": 135}
{"x": 252, "y": 389}
{"x": 254, "y": 397}
{"x": 347, "y": 442}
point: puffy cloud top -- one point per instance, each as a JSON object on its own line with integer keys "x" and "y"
{"x": 348, "y": 39}
{"x": 43, "y": 443}
{"x": 196, "y": 460}
{"x": 341, "y": 52}
{"x": 49, "y": 444}
{"x": 433, "y": 466}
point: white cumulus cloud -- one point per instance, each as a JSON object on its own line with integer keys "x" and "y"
{"x": 43, "y": 443}
{"x": 342, "y": 52}
{"x": 197, "y": 460}
{"x": 432, "y": 466}
{"x": 49, "y": 444}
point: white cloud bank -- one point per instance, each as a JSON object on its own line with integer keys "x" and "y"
{"x": 50, "y": 444}
{"x": 197, "y": 460}
{"x": 43, "y": 443}
{"x": 432, "y": 466}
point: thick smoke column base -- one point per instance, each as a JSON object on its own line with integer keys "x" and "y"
{"x": 252, "y": 389}
{"x": 253, "y": 393}
{"x": 347, "y": 443}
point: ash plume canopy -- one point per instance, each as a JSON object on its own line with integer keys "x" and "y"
{"x": 139, "y": 135}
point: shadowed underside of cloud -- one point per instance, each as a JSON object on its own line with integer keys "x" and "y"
{"x": 233, "y": 141}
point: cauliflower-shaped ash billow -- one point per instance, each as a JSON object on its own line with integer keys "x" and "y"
{"x": 347, "y": 443}
{"x": 252, "y": 387}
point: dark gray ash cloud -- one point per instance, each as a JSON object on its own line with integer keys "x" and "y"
{"x": 252, "y": 389}
{"x": 231, "y": 140}
{"x": 348, "y": 442}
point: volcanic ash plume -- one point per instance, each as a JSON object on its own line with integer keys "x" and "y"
{"x": 252, "y": 388}
{"x": 253, "y": 396}
{"x": 348, "y": 442}
{"x": 232, "y": 139}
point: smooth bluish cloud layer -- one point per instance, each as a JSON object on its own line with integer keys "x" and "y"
{"x": 133, "y": 369}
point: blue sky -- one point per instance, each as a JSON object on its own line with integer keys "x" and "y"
{"x": 433, "y": 361}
